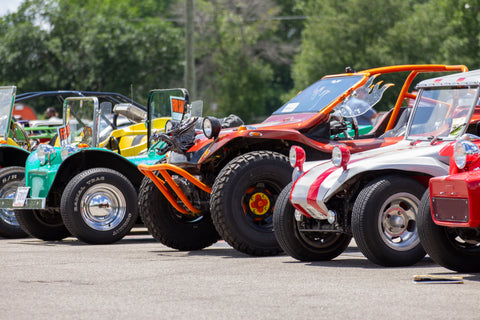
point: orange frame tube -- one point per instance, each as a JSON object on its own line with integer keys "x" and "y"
{"x": 163, "y": 169}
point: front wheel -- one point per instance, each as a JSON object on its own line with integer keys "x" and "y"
{"x": 243, "y": 198}
{"x": 10, "y": 179}
{"x": 170, "y": 227}
{"x": 99, "y": 206}
{"x": 304, "y": 245}
{"x": 384, "y": 221}
{"x": 46, "y": 225}
{"x": 445, "y": 245}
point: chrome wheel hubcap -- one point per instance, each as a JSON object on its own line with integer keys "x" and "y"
{"x": 8, "y": 216}
{"x": 103, "y": 207}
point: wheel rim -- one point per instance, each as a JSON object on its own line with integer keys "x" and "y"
{"x": 456, "y": 240}
{"x": 396, "y": 224}
{"x": 8, "y": 216}
{"x": 258, "y": 205}
{"x": 103, "y": 207}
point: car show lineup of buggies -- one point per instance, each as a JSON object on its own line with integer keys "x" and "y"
{"x": 87, "y": 185}
{"x": 19, "y": 137}
{"x": 305, "y": 181}
{"x": 224, "y": 183}
{"x": 375, "y": 196}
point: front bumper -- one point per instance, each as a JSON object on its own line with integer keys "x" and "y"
{"x": 455, "y": 200}
{"x": 30, "y": 203}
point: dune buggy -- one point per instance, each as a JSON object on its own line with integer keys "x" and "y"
{"x": 448, "y": 218}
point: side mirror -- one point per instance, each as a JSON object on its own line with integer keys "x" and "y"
{"x": 130, "y": 111}
{"x": 196, "y": 108}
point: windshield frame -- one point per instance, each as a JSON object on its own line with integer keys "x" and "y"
{"x": 8, "y": 103}
{"x": 442, "y": 134}
{"x": 66, "y": 120}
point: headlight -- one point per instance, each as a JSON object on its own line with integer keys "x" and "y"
{"x": 297, "y": 157}
{"x": 465, "y": 153}
{"x": 68, "y": 150}
{"x": 340, "y": 156}
{"x": 46, "y": 153}
{"x": 211, "y": 127}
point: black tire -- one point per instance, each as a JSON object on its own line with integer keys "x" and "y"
{"x": 10, "y": 179}
{"x": 106, "y": 223}
{"x": 46, "y": 225}
{"x": 389, "y": 202}
{"x": 170, "y": 227}
{"x": 256, "y": 177}
{"x": 444, "y": 245}
{"x": 304, "y": 246}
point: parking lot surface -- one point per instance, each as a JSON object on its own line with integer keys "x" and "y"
{"x": 138, "y": 278}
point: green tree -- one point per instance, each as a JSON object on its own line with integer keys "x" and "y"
{"x": 339, "y": 34}
{"x": 238, "y": 48}
{"x": 91, "y": 45}
{"x": 438, "y": 31}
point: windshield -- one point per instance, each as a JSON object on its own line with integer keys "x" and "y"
{"x": 6, "y": 104}
{"x": 319, "y": 95}
{"x": 442, "y": 113}
{"x": 164, "y": 103}
{"x": 362, "y": 99}
{"x": 79, "y": 118}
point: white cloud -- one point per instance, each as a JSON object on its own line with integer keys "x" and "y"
{"x": 9, "y": 6}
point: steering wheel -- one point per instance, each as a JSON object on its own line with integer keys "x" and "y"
{"x": 354, "y": 123}
{"x": 87, "y": 135}
{"x": 21, "y": 142}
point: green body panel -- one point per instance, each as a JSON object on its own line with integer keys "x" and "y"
{"x": 41, "y": 177}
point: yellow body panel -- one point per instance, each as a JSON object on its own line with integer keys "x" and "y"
{"x": 132, "y": 139}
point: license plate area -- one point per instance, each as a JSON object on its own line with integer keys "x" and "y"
{"x": 20, "y": 196}
{"x": 450, "y": 209}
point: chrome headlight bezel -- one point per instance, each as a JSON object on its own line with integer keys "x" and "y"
{"x": 297, "y": 157}
{"x": 465, "y": 153}
{"x": 340, "y": 156}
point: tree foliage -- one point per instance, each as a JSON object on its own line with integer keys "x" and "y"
{"x": 90, "y": 45}
{"x": 238, "y": 49}
{"x": 251, "y": 55}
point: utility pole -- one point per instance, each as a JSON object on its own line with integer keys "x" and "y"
{"x": 189, "y": 54}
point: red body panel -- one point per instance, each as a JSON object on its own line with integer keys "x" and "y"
{"x": 459, "y": 195}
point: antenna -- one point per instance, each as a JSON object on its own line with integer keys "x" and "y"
{"x": 131, "y": 91}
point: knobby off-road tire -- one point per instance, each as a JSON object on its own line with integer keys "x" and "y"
{"x": 46, "y": 225}
{"x": 304, "y": 246}
{"x": 384, "y": 221}
{"x": 243, "y": 198}
{"x": 10, "y": 179}
{"x": 99, "y": 206}
{"x": 444, "y": 245}
{"x": 170, "y": 227}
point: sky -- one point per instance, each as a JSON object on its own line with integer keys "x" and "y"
{"x": 9, "y": 6}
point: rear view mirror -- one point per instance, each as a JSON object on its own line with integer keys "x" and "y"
{"x": 130, "y": 111}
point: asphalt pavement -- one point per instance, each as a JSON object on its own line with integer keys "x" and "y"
{"x": 138, "y": 278}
